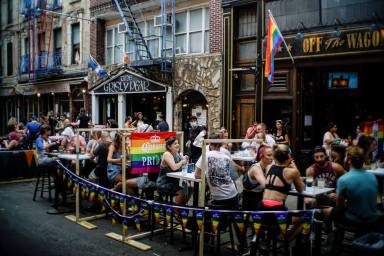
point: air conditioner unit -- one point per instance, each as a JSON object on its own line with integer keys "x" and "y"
{"x": 157, "y": 21}
{"x": 121, "y": 28}
{"x": 178, "y": 50}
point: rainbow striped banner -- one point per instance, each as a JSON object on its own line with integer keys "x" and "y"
{"x": 146, "y": 151}
{"x": 274, "y": 40}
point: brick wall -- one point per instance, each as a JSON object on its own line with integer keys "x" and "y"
{"x": 215, "y": 26}
{"x": 97, "y": 41}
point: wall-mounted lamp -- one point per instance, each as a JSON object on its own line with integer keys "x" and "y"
{"x": 84, "y": 91}
{"x": 38, "y": 95}
{"x": 336, "y": 32}
{"x": 300, "y": 28}
{"x": 52, "y": 93}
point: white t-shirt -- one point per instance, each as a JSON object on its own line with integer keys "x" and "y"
{"x": 68, "y": 131}
{"x": 218, "y": 168}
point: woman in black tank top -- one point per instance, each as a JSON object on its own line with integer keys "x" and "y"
{"x": 284, "y": 164}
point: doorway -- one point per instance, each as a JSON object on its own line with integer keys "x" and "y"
{"x": 245, "y": 115}
{"x": 193, "y": 103}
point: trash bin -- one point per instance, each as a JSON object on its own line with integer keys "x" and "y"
{"x": 371, "y": 243}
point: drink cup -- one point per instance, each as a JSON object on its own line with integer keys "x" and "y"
{"x": 321, "y": 183}
{"x": 184, "y": 170}
{"x": 309, "y": 181}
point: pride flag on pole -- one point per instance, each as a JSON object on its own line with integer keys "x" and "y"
{"x": 274, "y": 40}
{"x": 146, "y": 151}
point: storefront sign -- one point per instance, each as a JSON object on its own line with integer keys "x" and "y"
{"x": 146, "y": 151}
{"x": 129, "y": 83}
{"x": 351, "y": 41}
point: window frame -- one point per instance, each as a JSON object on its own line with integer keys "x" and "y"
{"x": 75, "y": 46}
{"x": 113, "y": 45}
{"x": 9, "y": 58}
{"x": 188, "y": 31}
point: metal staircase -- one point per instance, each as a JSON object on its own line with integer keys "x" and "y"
{"x": 133, "y": 30}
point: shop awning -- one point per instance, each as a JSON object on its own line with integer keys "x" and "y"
{"x": 7, "y": 91}
{"x": 127, "y": 82}
{"x": 47, "y": 87}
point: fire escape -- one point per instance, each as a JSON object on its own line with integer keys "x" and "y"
{"x": 145, "y": 62}
{"x": 38, "y": 60}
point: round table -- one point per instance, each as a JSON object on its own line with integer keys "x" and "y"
{"x": 71, "y": 157}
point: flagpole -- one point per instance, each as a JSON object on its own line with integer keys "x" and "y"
{"x": 278, "y": 30}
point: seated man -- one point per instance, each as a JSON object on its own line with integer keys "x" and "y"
{"x": 218, "y": 169}
{"x": 356, "y": 193}
{"x": 326, "y": 170}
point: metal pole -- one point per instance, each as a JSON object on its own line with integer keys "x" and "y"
{"x": 77, "y": 173}
{"x": 259, "y": 63}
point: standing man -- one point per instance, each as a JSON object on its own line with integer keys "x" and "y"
{"x": 163, "y": 125}
{"x": 194, "y": 152}
{"x": 32, "y": 130}
{"x": 82, "y": 119}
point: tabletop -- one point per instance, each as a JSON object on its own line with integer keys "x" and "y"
{"x": 243, "y": 158}
{"x": 183, "y": 176}
{"x": 377, "y": 172}
{"x": 73, "y": 156}
{"x": 312, "y": 191}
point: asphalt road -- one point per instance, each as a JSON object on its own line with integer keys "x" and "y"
{"x": 26, "y": 229}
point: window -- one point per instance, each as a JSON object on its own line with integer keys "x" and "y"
{"x": 152, "y": 37}
{"x": 1, "y": 60}
{"x": 247, "y": 82}
{"x": 10, "y": 11}
{"x": 76, "y": 43}
{"x": 247, "y": 23}
{"x": 115, "y": 44}
{"x": 9, "y": 59}
{"x": 192, "y": 31}
{"x": 57, "y": 47}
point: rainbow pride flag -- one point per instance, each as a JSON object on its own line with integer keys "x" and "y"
{"x": 376, "y": 130}
{"x": 274, "y": 40}
{"x": 146, "y": 151}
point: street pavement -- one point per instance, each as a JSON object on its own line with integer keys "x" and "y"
{"x": 26, "y": 229}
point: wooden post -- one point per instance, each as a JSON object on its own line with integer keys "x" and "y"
{"x": 123, "y": 175}
{"x": 202, "y": 196}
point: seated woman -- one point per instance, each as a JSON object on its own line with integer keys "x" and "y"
{"x": 43, "y": 146}
{"x": 254, "y": 179}
{"x": 114, "y": 169}
{"x": 279, "y": 179}
{"x": 171, "y": 161}
{"x": 280, "y": 135}
{"x": 13, "y": 138}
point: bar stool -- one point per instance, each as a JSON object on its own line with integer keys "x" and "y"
{"x": 44, "y": 177}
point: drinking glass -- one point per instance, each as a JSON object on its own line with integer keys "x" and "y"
{"x": 309, "y": 181}
{"x": 321, "y": 183}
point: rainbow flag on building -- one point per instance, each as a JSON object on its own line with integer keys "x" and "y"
{"x": 146, "y": 151}
{"x": 376, "y": 130}
{"x": 274, "y": 40}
